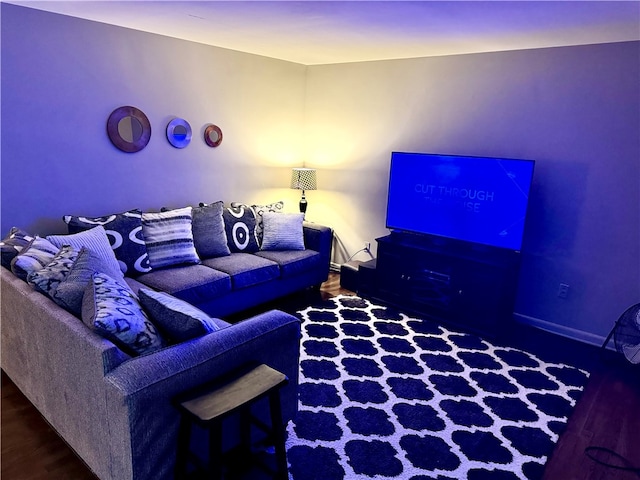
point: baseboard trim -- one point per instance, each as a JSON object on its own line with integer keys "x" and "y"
{"x": 568, "y": 332}
{"x": 334, "y": 267}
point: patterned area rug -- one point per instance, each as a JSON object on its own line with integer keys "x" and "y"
{"x": 383, "y": 395}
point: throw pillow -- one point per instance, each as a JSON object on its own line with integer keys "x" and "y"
{"x": 95, "y": 240}
{"x": 240, "y": 226}
{"x": 113, "y": 311}
{"x": 124, "y": 231}
{"x": 169, "y": 237}
{"x": 13, "y": 244}
{"x": 283, "y": 231}
{"x": 260, "y": 210}
{"x": 209, "y": 236}
{"x": 33, "y": 257}
{"x": 47, "y": 279}
{"x": 175, "y": 318}
{"x": 71, "y": 290}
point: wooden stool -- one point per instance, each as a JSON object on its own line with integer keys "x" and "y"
{"x": 209, "y": 409}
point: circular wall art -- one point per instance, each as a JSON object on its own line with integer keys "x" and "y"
{"x": 179, "y": 132}
{"x": 129, "y": 129}
{"x": 213, "y": 135}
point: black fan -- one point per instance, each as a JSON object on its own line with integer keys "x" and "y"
{"x": 626, "y": 334}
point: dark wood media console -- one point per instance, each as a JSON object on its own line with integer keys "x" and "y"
{"x": 467, "y": 285}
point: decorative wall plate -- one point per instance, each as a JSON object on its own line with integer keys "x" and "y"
{"x": 129, "y": 129}
{"x": 179, "y": 132}
{"x": 213, "y": 135}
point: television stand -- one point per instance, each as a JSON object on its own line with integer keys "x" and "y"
{"x": 454, "y": 282}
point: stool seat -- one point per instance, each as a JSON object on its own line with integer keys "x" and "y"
{"x": 234, "y": 394}
{"x": 210, "y": 408}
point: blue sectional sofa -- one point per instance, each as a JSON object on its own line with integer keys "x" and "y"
{"x": 114, "y": 408}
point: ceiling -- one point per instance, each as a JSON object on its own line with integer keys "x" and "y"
{"x": 322, "y": 32}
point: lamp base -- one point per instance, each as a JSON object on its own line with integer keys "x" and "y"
{"x": 303, "y": 205}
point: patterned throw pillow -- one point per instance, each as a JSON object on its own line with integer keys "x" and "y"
{"x": 209, "y": 236}
{"x": 48, "y": 278}
{"x": 71, "y": 290}
{"x": 175, "y": 318}
{"x": 283, "y": 231}
{"x": 13, "y": 244}
{"x": 260, "y": 210}
{"x": 169, "y": 237}
{"x": 111, "y": 309}
{"x": 95, "y": 240}
{"x": 240, "y": 225}
{"x": 33, "y": 257}
{"x": 124, "y": 231}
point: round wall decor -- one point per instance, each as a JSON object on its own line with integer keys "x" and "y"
{"x": 213, "y": 135}
{"x": 179, "y": 132}
{"x": 129, "y": 129}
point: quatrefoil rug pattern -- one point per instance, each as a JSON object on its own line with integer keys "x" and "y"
{"x": 383, "y": 396}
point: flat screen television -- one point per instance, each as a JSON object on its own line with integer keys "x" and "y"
{"x": 482, "y": 200}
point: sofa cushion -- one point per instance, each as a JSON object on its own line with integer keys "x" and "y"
{"x": 47, "y": 279}
{"x": 169, "y": 238}
{"x": 33, "y": 257}
{"x": 192, "y": 283}
{"x": 240, "y": 226}
{"x": 124, "y": 231}
{"x": 11, "y": 245}
{"x": 260, "y": 210}
{"x": 70, "y": 291}
{"x": 245, "y": 269}
{"x": 283, "y": 231}
{"x": 176, "y": 319}
{"x": 293, "y": 262}
{"x": 209, "y": 235}
{"x": 94, "y": 239}
{"x": 112, "y": 310}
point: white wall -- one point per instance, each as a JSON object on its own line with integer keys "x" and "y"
{"x": 61, "y": 79}
{"x": 575, "y": 111}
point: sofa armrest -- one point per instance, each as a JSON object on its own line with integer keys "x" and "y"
{"x": 59, "y": 364}
{"x": 319, "y": 238}
{"x": 143, "y": 388}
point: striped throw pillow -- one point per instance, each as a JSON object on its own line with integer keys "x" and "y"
{"x": 94, "y": 239}
{"x": 33, "y": 257}
{"x": 169, "y": 238}
{"x": 12, "y": 245}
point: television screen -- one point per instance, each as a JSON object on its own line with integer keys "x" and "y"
{"x": 475, "y": 199}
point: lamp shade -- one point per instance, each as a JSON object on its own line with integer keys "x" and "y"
{"x": 303, "y": 179}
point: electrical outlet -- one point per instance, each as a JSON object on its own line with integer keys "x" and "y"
{"x": 367, "y": 246}
{"x": 563, "y": 290}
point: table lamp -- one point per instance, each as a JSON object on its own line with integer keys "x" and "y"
{"x": 303, "y": 179}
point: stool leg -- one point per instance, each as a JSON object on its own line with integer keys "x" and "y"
{"x": 245, "y": 431}
{"x": 277, "y": 429}
{"x": 184, "y": 436}
{"x": 215, "y": 450}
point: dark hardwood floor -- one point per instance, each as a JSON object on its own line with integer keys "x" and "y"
{"x": 607, "y": 415}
